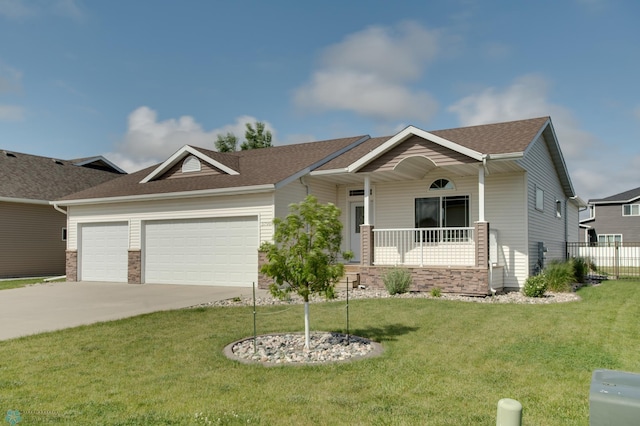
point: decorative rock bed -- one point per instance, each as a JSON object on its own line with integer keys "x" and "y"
{"x": 288, "y": 348}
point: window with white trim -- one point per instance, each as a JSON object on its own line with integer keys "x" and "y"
{"x": 441, "y": 212}
{"x": 441, "y": 184}
{"x": 631, "y": 210}
{"x": 609, "y": 239}
{"x": 558, "y": 208}
{"x": 539, "y": 199}
{"x": 64, "y": 234}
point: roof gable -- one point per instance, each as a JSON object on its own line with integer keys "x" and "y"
{"x": 98, "y": 162}
{"x": 405, "y": 135}
{"x": 223, "y": 163}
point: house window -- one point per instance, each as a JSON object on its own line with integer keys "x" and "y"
{"x": 631, "y": 210}
{"x": 441, "y": 212}
{"x": 64, "y": 234}
{"x": 609, "y": 239}
{"x": 558, "y": 208}
{"x": 191, "y": 164}
{"x": 441, "y": 184}
{"x": 539, "y": 199}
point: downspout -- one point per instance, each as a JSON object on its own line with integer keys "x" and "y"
{"x": 303, "y": 181}
{"x": 64, "y": 212}
{"x": 55, "y": 206}
{"x": 481, "y": 217}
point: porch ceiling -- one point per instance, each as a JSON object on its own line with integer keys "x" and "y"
{"x": 416, "y": 169}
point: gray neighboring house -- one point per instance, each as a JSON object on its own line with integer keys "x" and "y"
{"x": 33, "y": 232}
{"x": 613, "y": 219}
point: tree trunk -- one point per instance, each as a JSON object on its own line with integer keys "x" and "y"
{"x": 306, "y": 325}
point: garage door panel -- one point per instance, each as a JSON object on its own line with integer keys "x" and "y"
{"x": 221, "y": 251}
{"x": 104, "y": 252}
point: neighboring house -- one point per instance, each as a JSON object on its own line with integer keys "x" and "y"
{"x": 33, "y": 233}
{"x": 468, "y": 210}
{"x": 613, "y": 219}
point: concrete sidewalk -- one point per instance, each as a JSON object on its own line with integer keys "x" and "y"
{"x": 55, "y": 306}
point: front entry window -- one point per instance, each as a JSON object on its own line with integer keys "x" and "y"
{"x": 359, "y": 218}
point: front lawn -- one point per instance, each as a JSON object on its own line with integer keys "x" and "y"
{"x": 445, "y": 363}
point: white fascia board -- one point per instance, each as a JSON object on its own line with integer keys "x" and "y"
{"x": 405, "y": 134}
{"x": 23, "y": 201}
{"x": 329, "y": 172}
{"x": 181, "y": 153}
{"x": 291, "y": 178}
{"x": 505, "y": 156}
{"x": 254, "y": 189}
{"x": 100, "y": 158}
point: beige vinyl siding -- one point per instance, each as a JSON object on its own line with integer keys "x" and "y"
{"x": 260, "y": 205}
{"x": 31, "y": 240}
{"x": 325, "y": 192}
{"x": 544, "y": 226}
{"x": 416, "y": 146}
{"x": 175, "y": 172}
{"x": 505, "y": 210}
{"x": 284, "y": 197}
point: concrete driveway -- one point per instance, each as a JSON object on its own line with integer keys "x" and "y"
{"x": 54, "y": 306}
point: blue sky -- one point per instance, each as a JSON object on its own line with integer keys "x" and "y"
{"x": 136, "y": 80}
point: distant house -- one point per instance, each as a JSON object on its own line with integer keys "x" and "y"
{"x": 469, "y": 210}
{"x": 613, "y": 219}
{"x": 33, "y": 233}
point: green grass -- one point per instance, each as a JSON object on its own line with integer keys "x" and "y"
{"x": 17, "y": 283}
{"x": 445, "y": 363}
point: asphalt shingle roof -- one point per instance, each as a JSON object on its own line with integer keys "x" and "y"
{"x": 622, "y": 197}
{"x": 33, "y": 177}
{"x": 275, "y": 164}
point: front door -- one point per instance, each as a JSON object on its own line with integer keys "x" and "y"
{"x": 356, "y": 219}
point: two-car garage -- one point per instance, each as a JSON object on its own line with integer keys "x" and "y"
{"x": 199, "y": 251}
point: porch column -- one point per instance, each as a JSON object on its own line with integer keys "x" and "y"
{"x": 366, "y": 245}
{"x": 481, "y": 193}
{"x": 367, "y": 201}
{"x": 482, "y": 244}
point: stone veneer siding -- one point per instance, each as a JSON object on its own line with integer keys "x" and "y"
{"x": 71, "y": 266}
{"x": 460, "y": 280}
{"x": 134, "y": 274}
{"x": 263, "y": 281}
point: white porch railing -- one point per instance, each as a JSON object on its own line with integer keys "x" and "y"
{"x": 424, "y": 247}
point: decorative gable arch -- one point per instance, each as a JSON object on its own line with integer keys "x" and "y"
{"x": 415, "y": 166}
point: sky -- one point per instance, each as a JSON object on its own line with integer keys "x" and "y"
{"x": 136, "y": 80}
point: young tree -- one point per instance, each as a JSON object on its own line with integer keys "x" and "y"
{"x": 227, "y": 143}
{"x": 304, "y": 256}
{"x": 256, "y": 137}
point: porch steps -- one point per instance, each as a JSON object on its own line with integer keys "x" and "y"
{"x": 352, "y": 273}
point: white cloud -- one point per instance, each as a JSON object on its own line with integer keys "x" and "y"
{"x": 11, "y": 113}
{"x": 525, "y": 98}
{"x": 589, "y": 159}
{"x": 369, "y": 74}
{"x": 150, "y": 141}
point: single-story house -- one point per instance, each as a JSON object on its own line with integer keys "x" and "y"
{"x": 469, "y": 210}
{"x": 34, "y": 234}
{"x": 614, "y": 219}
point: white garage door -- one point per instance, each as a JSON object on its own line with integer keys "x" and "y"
{"x": 220, "y": 251}
{"x": 103, "y": 252}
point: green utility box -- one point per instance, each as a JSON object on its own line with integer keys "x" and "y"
{"x": 614, "y": 398}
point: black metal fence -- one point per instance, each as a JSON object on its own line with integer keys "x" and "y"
{"x": 618, "y": 260}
